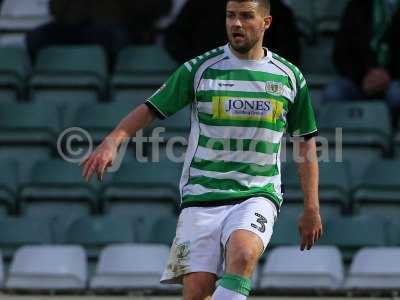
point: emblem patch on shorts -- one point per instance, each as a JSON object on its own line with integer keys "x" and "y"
{"x": 274, "y": 88}
{"x": 178, "y": 261}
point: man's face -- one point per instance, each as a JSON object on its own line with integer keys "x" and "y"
{"x": 246, "y": 23}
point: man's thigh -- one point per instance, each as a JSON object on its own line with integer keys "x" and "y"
{"x": 246, "y": 233}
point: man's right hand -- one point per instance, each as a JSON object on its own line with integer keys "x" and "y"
{"x": 100, "y": 159}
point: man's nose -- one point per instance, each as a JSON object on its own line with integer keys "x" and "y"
{"x": 237, "y": 22}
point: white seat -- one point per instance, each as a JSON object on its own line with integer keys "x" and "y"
{"x": 375, "y": 268}
{"x": 289, "y": 268}
{"x": 22, "y": 15}
{"x": 130, "y": 266}
{"x": 1, "y": 271}
{"x": 48, "y": 267}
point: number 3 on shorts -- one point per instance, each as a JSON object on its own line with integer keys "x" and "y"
{"x": 262, "y": 221}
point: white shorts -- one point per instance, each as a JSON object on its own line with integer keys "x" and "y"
{"x": 202, "y": 233}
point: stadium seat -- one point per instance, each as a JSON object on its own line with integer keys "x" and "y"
{"x": 289, "y": 268}
{"x": 364, "y": 137}
{"x": 8, "y": 186}
{"x": 138, "y": 188}
{"x": 328, "y": 15}
{"x": 66, "y": 103}
{"x": 141, "y": 67}
{"x": 375, "y": 268}
{"x": 136, "y": 97}
{"x": 57, "y": 188}
{"x": 316, "y": 63}
{"x": 26, "y": 157}
{"x": 94, "y": 233}
{"x": 72, "y": 69}
{"x": 378, "y": 192}
{"x": 304, "y": 14}
{"x": 28, "y": 124}
{"x": 1, "y": 271}
{"x": 286, "y": 231}
{"x": 177, "y": 125}
{"x": 131, "y": 266}
{"x": 100, "y": 119}
{"x": 156, "y": 230}
{"x": 23, "y": 15}
{"x": 16, "y": 232}
{"x": 355, "y": 232}
{"x": 14, "y": 69}
{"x": 333, "y": 189}
{"x": 48, "y": 268}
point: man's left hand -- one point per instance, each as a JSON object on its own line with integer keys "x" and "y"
{"x": 310, "y": 227}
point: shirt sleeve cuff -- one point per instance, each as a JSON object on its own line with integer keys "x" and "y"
{"x": 307, "y": 136}
{"x": 158, "y": 113}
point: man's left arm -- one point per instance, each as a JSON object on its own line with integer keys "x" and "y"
{"x": 310, "y": 225}
{"x": 303, "y": 127}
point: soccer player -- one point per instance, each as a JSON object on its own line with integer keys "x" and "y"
{"x": 243, "y": 97}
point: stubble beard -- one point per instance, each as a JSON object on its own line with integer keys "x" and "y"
{"x": 244, "y": 48}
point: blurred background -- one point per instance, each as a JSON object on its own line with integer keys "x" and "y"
{"x": 87, "y": 63}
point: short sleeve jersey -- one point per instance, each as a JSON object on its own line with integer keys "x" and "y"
{"x": 240, "y": 110}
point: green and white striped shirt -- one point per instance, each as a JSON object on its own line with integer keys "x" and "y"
{"x": 240, "y": 111}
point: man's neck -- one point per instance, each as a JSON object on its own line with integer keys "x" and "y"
{"x": 255, "y": 53}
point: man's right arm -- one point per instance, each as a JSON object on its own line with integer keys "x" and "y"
{"x": 105, "y": 153}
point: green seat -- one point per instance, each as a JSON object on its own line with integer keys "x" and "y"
{"x": 76, "y": 68}
{"x": 329, "y": 14}
{"x": 8, "y": 186}
{"x": 14, "y": 70}
{"x": 366, "y": 131}
{"x": 334, "y": 189}
{"x": 378, "y": 193}
{"x": 142, "y": 67}
{"x": 67, "y": 103}
{"x": 285, "y": 231}
{"x": 304, "y": 15}
{"x": 94, "y": 233}
{"x": 177, "y": 125}
{"x": 136, "y": 97}
{"x": 26, "y": 157}
{"x": 17, "y": 232}
{"x": 100, "y": 119}
{"x": 138, "y": 188}
{"x": 355, "y": 232}
{"x": 28, "y": 123}
{"x": 160, "y": 230}
{"x": 57, "y": 187}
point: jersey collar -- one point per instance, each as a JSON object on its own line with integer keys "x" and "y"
{"x": 262, "y": 61}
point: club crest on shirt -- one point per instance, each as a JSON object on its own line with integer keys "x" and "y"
{"x": 274, "y": 88}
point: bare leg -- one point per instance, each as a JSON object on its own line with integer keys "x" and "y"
{"x": 198, "y": 286}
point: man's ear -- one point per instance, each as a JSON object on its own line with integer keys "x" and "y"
{"x": 267, "y": 21}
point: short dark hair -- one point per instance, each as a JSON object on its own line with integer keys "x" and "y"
{"x": 266, "y": 4}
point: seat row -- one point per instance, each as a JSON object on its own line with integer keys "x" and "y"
{"x": 140, "y": 266}
{"x": 55, "y": 183}
{"x": 81, "y": 69}
{"x": 95, "y": 232}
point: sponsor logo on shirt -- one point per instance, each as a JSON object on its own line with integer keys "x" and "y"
{"x": 274, "y": 88}
{"x": 251, "y": 109}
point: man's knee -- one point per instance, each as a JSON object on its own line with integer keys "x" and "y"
{"x": 198, "y": 286}
{"x": 244, "y": 257}
{"x": 242, "y": 253}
